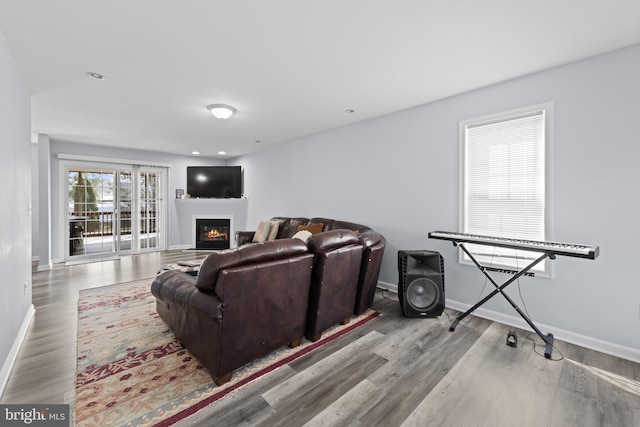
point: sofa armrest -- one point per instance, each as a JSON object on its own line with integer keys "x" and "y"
{"x": 332, "y": 239}
{"x": 177, "y": 288}
{"x": 244, "y": 237}
{"x": 371, "y": 238}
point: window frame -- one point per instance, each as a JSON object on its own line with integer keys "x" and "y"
{"x": 519, "y": 258}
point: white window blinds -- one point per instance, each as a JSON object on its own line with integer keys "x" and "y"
{"x": 504, "y": 182}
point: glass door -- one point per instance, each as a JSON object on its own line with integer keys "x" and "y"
{"x": 92, "y": 212}
{"x": 124, "y": 210}
{"x": 150, "y": 184}
{"x": 114, "y": 211}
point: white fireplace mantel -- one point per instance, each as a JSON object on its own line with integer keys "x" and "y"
{"x": 187, "y": 209}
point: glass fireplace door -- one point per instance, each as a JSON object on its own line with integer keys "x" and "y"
{"x": 213, "y": 233}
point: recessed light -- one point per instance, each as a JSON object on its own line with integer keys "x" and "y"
{"x": 257, "y": 141}
{"x": 349, "y": 111}
{"x": 222, "y": 153}
{"x": 96, "y": 76}
{"x": 195, "y": 153}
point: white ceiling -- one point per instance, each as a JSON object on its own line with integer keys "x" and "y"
{"x": 290, "y": 67}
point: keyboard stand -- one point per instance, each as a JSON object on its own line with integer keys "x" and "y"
{"x": 548, "y": 339}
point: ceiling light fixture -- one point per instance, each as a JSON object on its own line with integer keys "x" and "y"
{"x": 195, "y": 153}
{"x": 222, "y": 153}
{"x": 221, "y": 111}
{"x": 96, "y": 76}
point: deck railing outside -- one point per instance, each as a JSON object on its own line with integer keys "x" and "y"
{"x": 102, "y": 223}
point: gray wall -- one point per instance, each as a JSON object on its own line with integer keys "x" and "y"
{"x": 15, "y": 197}
{"x": 399, "y": 174}
{"x": 177, "y": 179}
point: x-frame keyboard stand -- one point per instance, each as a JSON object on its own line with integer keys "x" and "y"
{"x": 548, "y": 339}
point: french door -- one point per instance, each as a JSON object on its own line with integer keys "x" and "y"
{"x": 114, "y": 209}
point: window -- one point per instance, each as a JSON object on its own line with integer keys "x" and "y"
{"x": 504, "y": 183}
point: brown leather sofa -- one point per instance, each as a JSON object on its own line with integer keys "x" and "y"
{"x": 245, "y": 303}
{"x": 372, "y": 243}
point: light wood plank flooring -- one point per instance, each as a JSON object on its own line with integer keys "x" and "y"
{"x": 393, "y": 371}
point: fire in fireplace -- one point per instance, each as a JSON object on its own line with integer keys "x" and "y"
{"x": 213, "y": 233}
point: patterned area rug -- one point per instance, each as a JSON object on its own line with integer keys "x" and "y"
{"x": 131, "y": 371}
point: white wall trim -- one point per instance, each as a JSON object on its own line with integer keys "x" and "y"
{"x": 585, "y": 341}
{"x": 13, "y": 353}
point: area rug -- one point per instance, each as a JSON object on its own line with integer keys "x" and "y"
{"x": 131, "y": 371}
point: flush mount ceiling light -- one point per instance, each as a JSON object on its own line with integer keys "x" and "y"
{"x": 221, "y": 111}
{"x": 96, "y": 76}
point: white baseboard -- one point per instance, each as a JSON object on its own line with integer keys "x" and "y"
{"x": 44, "y": 267}
{"x": 388, "y": 286}
{"x": 585, "y": 341}
{"x": 41, "y": 267}
{"x": 179, "y": 247}
{"x": 92, "y": 260}
{"x": 13, "y": 353}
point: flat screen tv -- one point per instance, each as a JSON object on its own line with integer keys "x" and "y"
{"x": 220, "y": 182}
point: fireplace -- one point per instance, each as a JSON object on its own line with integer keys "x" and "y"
{"x": 213, "y": 232}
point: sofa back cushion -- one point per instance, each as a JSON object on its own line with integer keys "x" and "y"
{"x": 312, "y": 228}
{"x": 244, "y": 255}
{"x": 332, "y": 239}
{"x": 289, "y": 226}
{"x": 368, "y": 237}
{"x": 348, "y": 225}
{"x": 327, "y": 222}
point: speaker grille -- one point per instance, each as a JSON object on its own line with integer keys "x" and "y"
{"x": 423, "y": 294}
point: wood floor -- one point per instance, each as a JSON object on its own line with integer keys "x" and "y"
{"x": 393, "y": 371}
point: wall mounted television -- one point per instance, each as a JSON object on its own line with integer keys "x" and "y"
{"x": 220, "y": 182}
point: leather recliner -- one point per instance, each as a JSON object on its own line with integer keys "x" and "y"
{"x": 334, "y": 280}
{"x": 245, "y": 303}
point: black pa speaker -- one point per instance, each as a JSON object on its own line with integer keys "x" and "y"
{"x": 421, "y": 283}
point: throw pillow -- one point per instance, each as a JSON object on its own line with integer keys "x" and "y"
{"x": 302, "y": 235}
{"x": 262, "y": 232}
{"x": 273, "y": 230}
{"x": 313, "y": 228}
